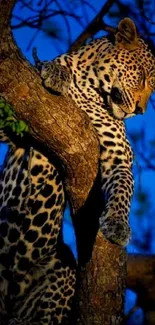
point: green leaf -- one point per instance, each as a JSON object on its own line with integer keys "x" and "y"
{"x": 8, "y": 110}
{"x": 13, "y": 127}
{"x": 8, "y": 120}
{"x": 2, "y": 104}
{"x": 1, "y": 112}
{"x": 22, "y": 125}
{"x": 1, "y": 124}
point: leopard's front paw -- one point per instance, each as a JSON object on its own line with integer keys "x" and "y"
{"x": 116, "y": 231}
{"x": 56, "y": 77}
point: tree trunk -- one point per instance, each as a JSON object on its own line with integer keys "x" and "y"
{"x": 101, "y": 285}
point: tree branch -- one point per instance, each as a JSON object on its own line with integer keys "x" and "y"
{"x": 53, "y": 120}
{"x": 95, "y": 25}
{"x": 140, "y": 278}
{"x": 101, "y": 285}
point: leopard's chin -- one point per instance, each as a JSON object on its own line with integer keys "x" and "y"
{"x": 118, "y": 113}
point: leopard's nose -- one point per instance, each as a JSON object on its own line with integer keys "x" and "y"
{"x": 138, "y": 109}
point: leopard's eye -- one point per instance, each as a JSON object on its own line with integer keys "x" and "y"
{"x": 116, "y": 96}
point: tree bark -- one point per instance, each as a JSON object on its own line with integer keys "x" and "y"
{"x": 140, "y": 278}
{"x": 66, "y": 130}
{"x": 101, "y": 286}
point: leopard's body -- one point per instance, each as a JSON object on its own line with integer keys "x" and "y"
{"x": 109, "y": 82}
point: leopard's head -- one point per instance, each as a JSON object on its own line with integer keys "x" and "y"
{"x": 130, "y": 67}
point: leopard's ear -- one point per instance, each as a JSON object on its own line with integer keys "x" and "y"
{"x": 126, "y": 35}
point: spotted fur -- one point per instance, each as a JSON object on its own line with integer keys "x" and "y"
{"x": 37, "y": 271}
{"x": 109, "y": 80}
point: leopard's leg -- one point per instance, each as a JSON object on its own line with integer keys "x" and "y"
{"x": 49, "y": 299}
{"x": 56, "y": 75}
{"x": 118, "y": 190}
{"x": 11, "y": 215}
{"x": 42, "y": 223}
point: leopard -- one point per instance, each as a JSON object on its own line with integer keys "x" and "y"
{"x": 110, "y": 79}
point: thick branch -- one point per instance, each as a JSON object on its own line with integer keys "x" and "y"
{"x": 5, "y": 14}
{"x": 101, "y": 285}
{"x": 55, "y": 121}
{"x": 95, "y": 26}
{"x": 140, "y": 278}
